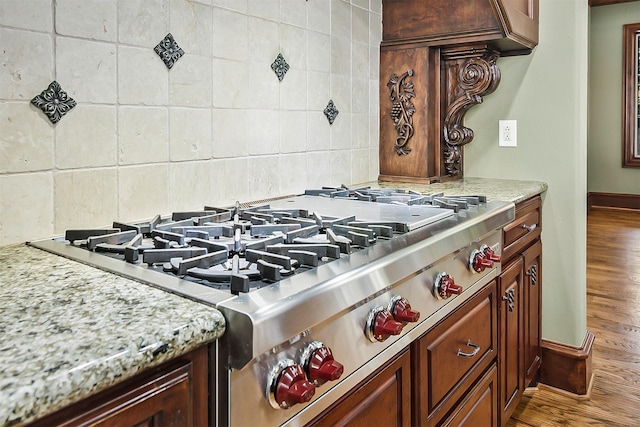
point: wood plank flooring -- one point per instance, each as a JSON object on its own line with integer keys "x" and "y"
{"x": 613, "y": 316}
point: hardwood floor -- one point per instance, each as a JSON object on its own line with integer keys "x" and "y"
{"x": 613, "y": 316}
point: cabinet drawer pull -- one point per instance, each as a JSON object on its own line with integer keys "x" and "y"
{"x": 529, "y": 227}
{"x": 476, "y": 349}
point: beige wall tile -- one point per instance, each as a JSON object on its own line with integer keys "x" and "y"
{"x": 340, "y": 56}
{"x": 340, "y": 167}
{"x": 27, "y": 14}
{"x": 237, "y": 5}
{"x": 87, "y": 69}
{"x": 26, "y": 141}
{"x": 263, "y": 127}
{"x": 26, "y": 64}
{"x": 374, "y": 163}
{"x": 293, "y": 173}
{"x": 191, "y": 26}
{"x": 86, "y": 137}
{"x": 143, "y": 191}
{"x": 189, "y": 185}
{"x": 340, "y": 19}
{"x": 142, "y": 77}
{"x": 266, "y": 9}
{"x": 26, "y": 203}
{"x": 143, "y": 22}
{"x": 230, "y": 134}
{"x": 264, "y": 177}
{"x": 318, "y": 131}
{"x": 318, "y": 90}
{"x": 230, "y": 35}
{"x": 293, "y": 12}
{"x": 319, "y": 167}
{"x": 263, "y": 42}
{"x": 360, "y": 96}
{"x": 190, "y": 134}
{"x": 229, "y": 181}
{"x": 143, "y": 135}
{"x": 293, "y": 90}
{"x": 341, "y": 132}
{"x": 359, "y": 166}
{"x": 319, "y": 51}
{"x": 85, "y": 199}
{"x": 91, "y": 19}
{"x": 360, "y": 25}
{"x": 191, "y": 81}
{"x": 360, "y": 130}
{"x": 319, "y": 16}
{"x": 293, "y": 131}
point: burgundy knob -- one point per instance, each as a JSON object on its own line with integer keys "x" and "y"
{"x": 491, "y": 255}
{"x": 402, "y": 312}
{"x": 445, "y": 286}
{"x": 381, "y": 324}
{"x": 322, "y": 367}
{"x": 481, "y": 262}
{"x": 292, "y": 387}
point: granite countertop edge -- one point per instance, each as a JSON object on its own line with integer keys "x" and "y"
{"x": 70, "y": 331}
{"x": 508, "y": 190}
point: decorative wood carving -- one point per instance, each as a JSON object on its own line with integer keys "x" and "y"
{"x": 402, "y": 109}
{"x": 471, "y": 73}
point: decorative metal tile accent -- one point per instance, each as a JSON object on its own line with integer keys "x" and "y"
{"x": 331, "y": 112}
{"x": 169, "y": 51}
{"x": 54, "y": 102}
{"x": 280, "y": 66}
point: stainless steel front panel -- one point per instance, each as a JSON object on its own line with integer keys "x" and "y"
{"x": 345, "y": 334}
{"x": 261, "y": 320}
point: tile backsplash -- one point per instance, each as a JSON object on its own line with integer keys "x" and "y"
{"x": 215, "y": 127}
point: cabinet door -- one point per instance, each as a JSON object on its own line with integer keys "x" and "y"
{"x": 532, "y": 309}
{"x": 480, "y": 406}
{"x": 173, "y": 394}
{"x": 510, "y": 360}
{"x": 450, "y": 358}
{"x": 382, "y": 400}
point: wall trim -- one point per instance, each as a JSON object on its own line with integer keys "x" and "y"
{"x": 613, "y": 200}
{"x": 567, "y": 368}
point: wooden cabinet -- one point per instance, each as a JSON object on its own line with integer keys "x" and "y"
{"x": 532, "y": 290}
{"x": 438, "y": 60}
{"x": 510, "y": 362}
{"x": 511, "y": 26}
{"x": 520, "y": 292}
{"x": 384, "y": 399}
{"x": 480, "y": 407}
{"x": 172, "y": 394}
{"x": 450, "y": 358}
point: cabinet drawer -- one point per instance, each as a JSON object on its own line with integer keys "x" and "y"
{"x": 453, "y": 355}
{"x": 524, "y": 229}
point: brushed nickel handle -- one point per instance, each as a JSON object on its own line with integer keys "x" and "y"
{"x": 529, "y": 227}
{"x": 476, "y": 349}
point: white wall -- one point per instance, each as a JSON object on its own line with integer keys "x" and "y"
{"x": 547, "y": 93}
{"x": 217, "y": 127}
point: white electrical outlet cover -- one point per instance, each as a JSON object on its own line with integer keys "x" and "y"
{"x": 508, "y": 133}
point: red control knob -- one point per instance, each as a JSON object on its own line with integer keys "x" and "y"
{"x": 480, "y": 262}
{"x": 292, "y": 387}
{"x": 445, "y": 286}
{"x": 401, "y": 310}
{"x": 381, "y": 324}
{"x": 322, "y": 367}
{"x": 491, "y": 255}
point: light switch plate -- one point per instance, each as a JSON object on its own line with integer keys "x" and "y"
{"x": 508, "y": 133}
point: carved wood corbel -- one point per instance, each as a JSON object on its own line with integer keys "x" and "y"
{"x": 471, "y": 72}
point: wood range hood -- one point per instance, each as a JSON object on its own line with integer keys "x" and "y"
{"x": 437, "y": 60}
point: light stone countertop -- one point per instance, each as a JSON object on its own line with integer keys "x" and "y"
{"x": 507, "y": 190}
{"x": 68, "y": 330}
